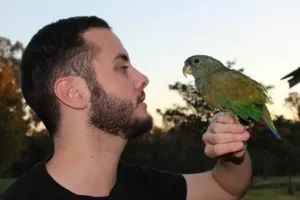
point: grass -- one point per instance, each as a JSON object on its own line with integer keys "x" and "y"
{"x": 270, "y": 193}
{"x": 274, "y": 188}
{"x": 274, "y": 181}
{"x": 4, "y": 183}
{"x": 274, "y": 191}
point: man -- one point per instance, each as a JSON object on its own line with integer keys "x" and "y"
{"x": 77, "y": 76}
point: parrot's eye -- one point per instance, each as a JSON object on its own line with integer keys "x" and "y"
{"x": 196, "y": 60}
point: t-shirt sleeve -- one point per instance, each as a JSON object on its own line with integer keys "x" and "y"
{"x": 166, "y": 185}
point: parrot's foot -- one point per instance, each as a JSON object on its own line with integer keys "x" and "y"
{"x": 214, "y": 117}
{"x": 248, "y": 122}
{"x": 250, "y": 125}
{"x": 222, "y": 113}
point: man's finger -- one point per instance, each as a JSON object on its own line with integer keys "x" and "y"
{"x": 225, "y": 138}
{"x": 217, "y": 150}
{"x": 239, "y": 154}
{"x": 227, "y": 128}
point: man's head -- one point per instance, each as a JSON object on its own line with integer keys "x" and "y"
{"x": 79, "y": 66}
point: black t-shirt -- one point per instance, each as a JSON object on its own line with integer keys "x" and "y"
{"x": 133, "y": 183}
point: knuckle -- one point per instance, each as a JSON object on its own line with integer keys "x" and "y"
{"x": 215, "y": 150}
{"x": 210, "y": 138}
{"x": 240, "y": 128}
{"x": 206, "y": 151}
{"x": 213, "y": 128}
{"x": 214, "y": 139}
{"x": 235, "y": 128}
{"x": 210, "y": 151}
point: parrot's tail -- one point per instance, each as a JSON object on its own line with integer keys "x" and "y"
{"x": 269, "y": 124}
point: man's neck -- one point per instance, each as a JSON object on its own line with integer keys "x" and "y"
{"x": 86, "y": 164}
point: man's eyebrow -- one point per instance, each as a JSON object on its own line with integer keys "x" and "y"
{"x": 122, "y": 56}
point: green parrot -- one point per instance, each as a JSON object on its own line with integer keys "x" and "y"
{"x": 231, "y": 91}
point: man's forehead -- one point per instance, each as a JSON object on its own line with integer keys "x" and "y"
{"x": 106, "y": 40}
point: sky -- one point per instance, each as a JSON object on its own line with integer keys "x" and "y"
{"x": 262, "y": 36}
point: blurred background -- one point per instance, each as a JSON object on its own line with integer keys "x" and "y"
{"x": 259, "y": 38}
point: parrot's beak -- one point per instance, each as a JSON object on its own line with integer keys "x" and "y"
{"x": 187, "y": 69}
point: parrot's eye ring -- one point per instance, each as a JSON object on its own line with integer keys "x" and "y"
{"x": 196, "y": 60}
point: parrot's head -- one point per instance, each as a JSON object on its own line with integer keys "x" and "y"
{"x": 200, "y": 65}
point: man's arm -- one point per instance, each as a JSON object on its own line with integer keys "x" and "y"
{"x": 230, "y": 178}
{"x": 227, "y": 181}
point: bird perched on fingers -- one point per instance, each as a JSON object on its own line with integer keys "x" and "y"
{"x": 231, "y": 91}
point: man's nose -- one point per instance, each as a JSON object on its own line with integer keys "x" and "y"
{"x": 141, "y": 81}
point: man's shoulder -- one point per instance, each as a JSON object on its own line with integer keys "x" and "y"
{"x": 20, "y": 189}
{"x": 25, "y": 186}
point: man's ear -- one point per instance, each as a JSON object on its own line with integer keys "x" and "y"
{"x": 70, "y": 91}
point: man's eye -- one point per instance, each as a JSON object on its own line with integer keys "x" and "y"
{"x": 124, "y": 68}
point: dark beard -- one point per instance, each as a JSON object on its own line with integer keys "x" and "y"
{"x": 116, "y": 116}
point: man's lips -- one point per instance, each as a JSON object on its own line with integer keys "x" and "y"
{"x": 142, "y": 97}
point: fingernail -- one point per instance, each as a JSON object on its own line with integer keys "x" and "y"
{"x": 247, "y": 134}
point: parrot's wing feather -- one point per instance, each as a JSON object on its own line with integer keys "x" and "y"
{"x": 244, "y": 111}
{"x": 238, "y": 87}
{"x": 235, "y": 91}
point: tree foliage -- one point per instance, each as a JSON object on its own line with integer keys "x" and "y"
{"x": 14, "y": 120}
{"x": 292, "y": 102}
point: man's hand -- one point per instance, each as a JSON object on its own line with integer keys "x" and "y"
{"x": 225, "y": 136}
{"x": 229, "y": 180}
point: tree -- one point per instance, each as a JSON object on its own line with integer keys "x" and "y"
{"x": 293, "y": 103}
{"x": 293, "y": 139}
{"x": 13, "y": 126}
{"x": 14, "y": 120}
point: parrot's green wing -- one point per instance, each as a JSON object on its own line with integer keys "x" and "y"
{"x": 237, "y": 93}
{"x": 230, "y": 88}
